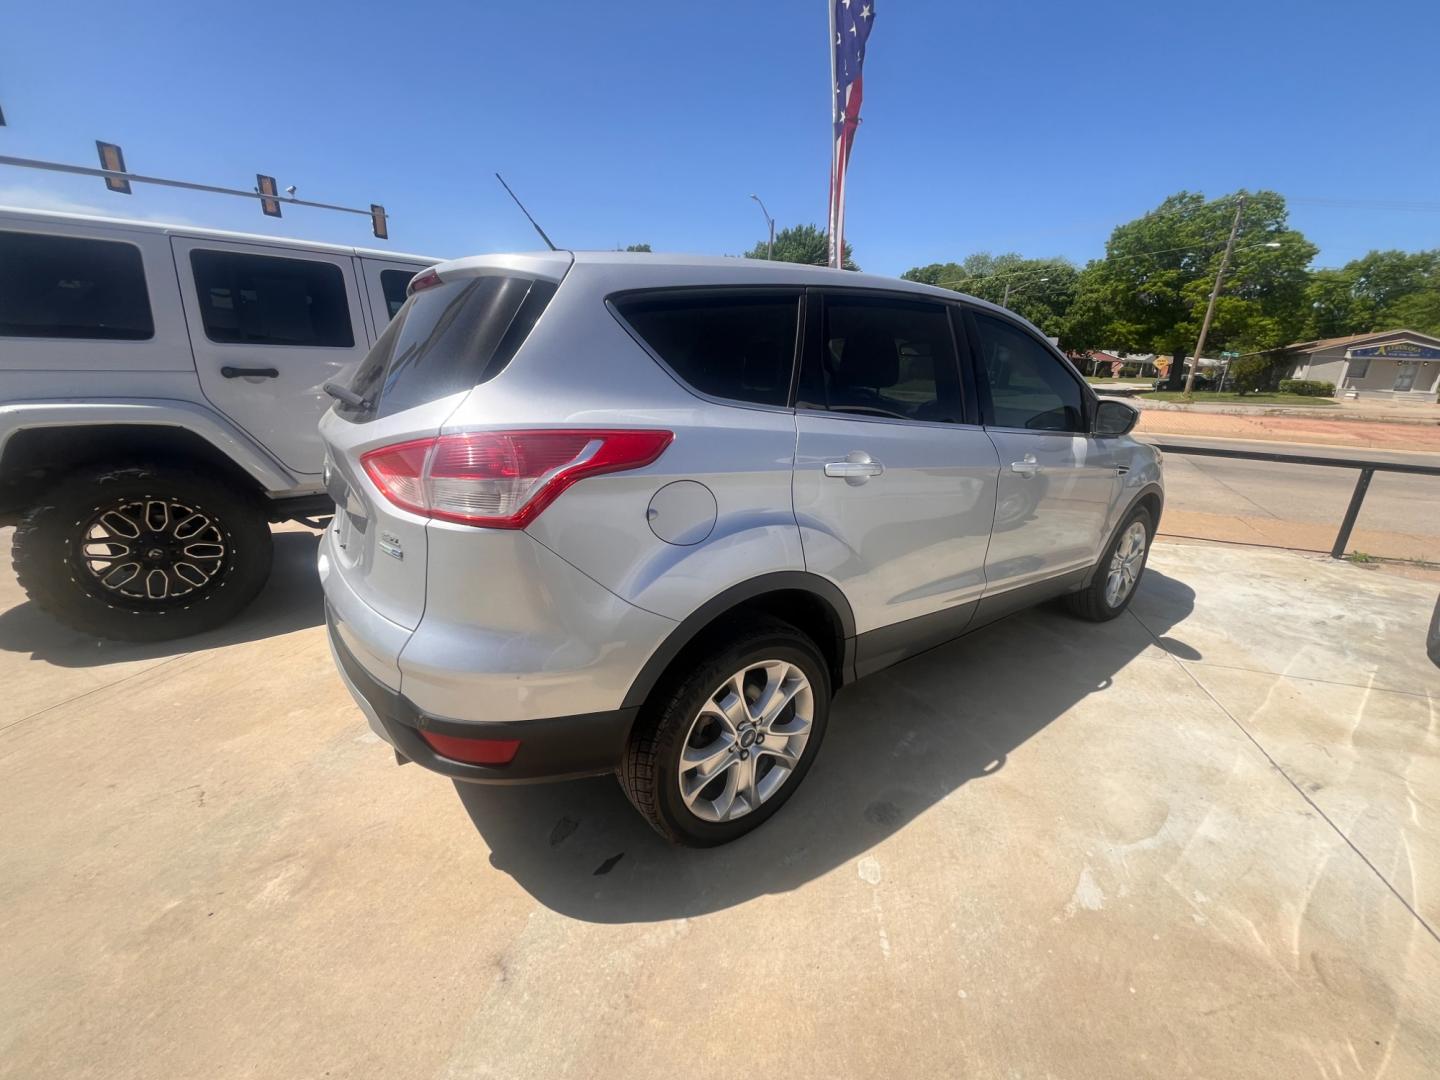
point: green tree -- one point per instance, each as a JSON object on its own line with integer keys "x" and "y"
{"x": 1041, "y": 290}
{"x": 1384, "y": 290}
{"x": 1149, "y": 292}
{"x": 805, "y": 244}
{"x": 637, "y": 247}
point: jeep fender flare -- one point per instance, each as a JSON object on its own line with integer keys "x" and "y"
{"x": 219, "y": 432}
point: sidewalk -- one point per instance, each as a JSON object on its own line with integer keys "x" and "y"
{"x": 1326, "y": 430}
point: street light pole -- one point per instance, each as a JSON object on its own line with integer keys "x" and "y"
{"x": 769, "y": 247}
{"x": 1215, "y": 292}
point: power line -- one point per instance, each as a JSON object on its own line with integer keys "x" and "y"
{"x": 1417, "y": 206}
{"x": 1051, "y": 269}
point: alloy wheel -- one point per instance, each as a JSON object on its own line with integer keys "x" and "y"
{"x": 1126, "y": 563}
{"x": 746, "y": 740}
{"x": 148, "y": 551}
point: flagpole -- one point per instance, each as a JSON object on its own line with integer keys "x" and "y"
{"x": 834, "y": 142}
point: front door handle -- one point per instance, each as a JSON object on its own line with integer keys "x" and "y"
{"x": 855, "y": 469}
{"x": 1028, "y": 467}
{"x": 249, "y": 372}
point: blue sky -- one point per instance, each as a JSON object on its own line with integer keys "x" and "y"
{"x": 1033, "y": 127}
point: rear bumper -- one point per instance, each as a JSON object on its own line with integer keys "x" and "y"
{"x": 555, "y": 748}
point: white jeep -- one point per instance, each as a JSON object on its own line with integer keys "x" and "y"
{"x": 160, "y": 388}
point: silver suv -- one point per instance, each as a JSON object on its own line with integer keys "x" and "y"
{"x": 646, "y": 515}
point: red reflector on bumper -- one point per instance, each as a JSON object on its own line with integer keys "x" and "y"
{"x": 472, "y": 751}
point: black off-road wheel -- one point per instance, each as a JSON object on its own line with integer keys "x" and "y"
{"x": 1117, "y": 575}
{"x": 143, "y": 552}
{"x": 729, "y": 736}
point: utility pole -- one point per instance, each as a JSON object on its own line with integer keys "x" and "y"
{"x": 1005, "y": 303}
{"x": 1210, "y": 307}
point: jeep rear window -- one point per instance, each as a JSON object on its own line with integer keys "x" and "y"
{"x": 445, "y": 339}
{"x": 72, "y": 287}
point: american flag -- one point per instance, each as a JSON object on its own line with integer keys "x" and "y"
{"x": 851, "y": 21}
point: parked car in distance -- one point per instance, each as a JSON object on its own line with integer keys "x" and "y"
{"x": 160, "y": 388}
{"x": 603, "y": 513}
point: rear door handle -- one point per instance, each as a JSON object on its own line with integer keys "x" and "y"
{"x": 855, "y": 469}
{"x": 249, "y": 372}
{"x": 1028, "y": 467}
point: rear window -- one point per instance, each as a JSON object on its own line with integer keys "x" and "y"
{"x": 446, "y": 339}
{"x": 266, "y": 300}
{"x": 734, "y": 345}
{"x": 69, "y": 287}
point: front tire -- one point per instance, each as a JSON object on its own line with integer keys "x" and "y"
{"x": 143, "y": 552}
{"x": 728, "y": 738}
{"x": 1117, "y": 575}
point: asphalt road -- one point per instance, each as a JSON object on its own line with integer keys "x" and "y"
{"x": 1306, "y": 495}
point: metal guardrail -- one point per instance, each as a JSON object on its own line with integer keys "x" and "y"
{"x": 1362, "y": 484}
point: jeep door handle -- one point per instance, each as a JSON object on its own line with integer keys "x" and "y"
{"x": 249, "y": 372}
{"x": 1028, "y": 467}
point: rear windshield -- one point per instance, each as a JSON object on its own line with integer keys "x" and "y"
{"x": 446, "y": 339}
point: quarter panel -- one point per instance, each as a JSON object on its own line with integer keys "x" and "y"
{"x": 743, "y": 458}
{"x": 513, "y": 632}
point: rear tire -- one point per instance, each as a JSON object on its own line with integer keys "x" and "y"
{"x": 1099, "y": 601}
{"x": 742, "y": 759}
{"x": 143, "y": 552}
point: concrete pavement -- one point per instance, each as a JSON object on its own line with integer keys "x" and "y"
{"x": 1200, "y": 840}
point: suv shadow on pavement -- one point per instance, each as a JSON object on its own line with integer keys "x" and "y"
{"x": 899, "y": 742}
{"x": 291, "y": 600}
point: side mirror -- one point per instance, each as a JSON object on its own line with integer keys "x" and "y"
{"x": 1115, "y": 418}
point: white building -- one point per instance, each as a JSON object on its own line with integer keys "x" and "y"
{"x": 1386, "y": 364}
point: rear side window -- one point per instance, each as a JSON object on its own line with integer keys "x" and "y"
{"x": 265, "y": 300}
{"x": 884, "y": 357}
{"x": 737, "y": 346}
{"x": 69, "y": 287}
{"x": 1029, "y": 387}
{"x": 446, "y": 339}
{"x": 393, "y": 284}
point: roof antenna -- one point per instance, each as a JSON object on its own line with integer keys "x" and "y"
{"x": 532, "y": 221}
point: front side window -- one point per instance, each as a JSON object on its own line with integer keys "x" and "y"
{"x": 1030, "y": 389}
{"x": 266, "y": 300}
{"x": 72, "y": 287}
{"x": 734, "y": 345}
{"x": 884, "y": 357}
{"x": 393, "y": 284}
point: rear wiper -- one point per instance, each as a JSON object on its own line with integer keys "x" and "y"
{"x": 348, "y": 397}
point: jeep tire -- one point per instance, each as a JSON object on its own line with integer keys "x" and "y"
{"x": 143, "y": 552}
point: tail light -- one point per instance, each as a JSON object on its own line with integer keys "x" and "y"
{"x": 426, "y": 279}
{"x": 502, "y": 479}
